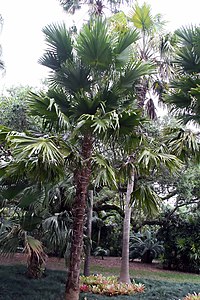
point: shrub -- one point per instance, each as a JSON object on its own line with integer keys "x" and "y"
{"x": 98, "y": 284}
{"x": 145, "y": 246}
{"x": 99, "y": 251}
{"x": 182, "y": 243}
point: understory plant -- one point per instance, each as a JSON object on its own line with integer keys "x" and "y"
{"x": 99, "y": 251}
{"x": 145, "y": 247}
{"x": 99, "y": 284}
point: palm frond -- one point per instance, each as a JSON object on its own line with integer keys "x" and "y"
{"x": 59, "y": 46}
{"x": 52, "y": 107}
{"x": 124, "y": 41}
{"x": 146, "y": 199}
{"x": 135, "y": 71}
{"x": 150, "y": 159}
{"x": 141, "y": 17}
{"x": 188, "y": 56}
{"x": 128, "y": 121}
{"x": 11, "y": 235}
{"x": 184, "y": 143}
{"x": 99, "y": 123}
{"x": 93, "y": 45}
{"x": 34, "y": 246}
{"x": 58, "y": 232}
{"x": 73, "y": 77}
{"x": 38, "y": 158}
{"x": 105, "y": 173}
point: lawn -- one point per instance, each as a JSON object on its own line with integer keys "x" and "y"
{"x": 15, "y": 286}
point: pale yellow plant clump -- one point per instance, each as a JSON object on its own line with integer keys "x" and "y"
{"x": 194, "y": 296}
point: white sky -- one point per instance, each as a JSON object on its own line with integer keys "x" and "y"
{"x": 22, "y": 39}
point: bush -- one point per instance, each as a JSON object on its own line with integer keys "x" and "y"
{"x": 145, "y": 247}
{"x": 101, "y": 252}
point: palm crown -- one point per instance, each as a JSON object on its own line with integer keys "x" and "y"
{"x": 91, "y": 81}
{"x": 184, "y": 97}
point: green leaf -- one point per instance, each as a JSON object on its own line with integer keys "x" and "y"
{"x": 93, "y": 45}
{"x": 141, "y": 17}
{"x": 135, "y": 71}
{"x": 60, "y": 46}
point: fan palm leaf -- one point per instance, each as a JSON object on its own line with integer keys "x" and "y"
{"x": 60, "y": 46}
{"x": 141, "y": 17}
{"x": 149, "y": 159}
{"x": 38, "y": 158}
{"x": 133, "y": 72}
{"x": 93, "y": 45}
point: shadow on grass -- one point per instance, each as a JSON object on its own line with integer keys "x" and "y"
{"x": 15, "y": 286}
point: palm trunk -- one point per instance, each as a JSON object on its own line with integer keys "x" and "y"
{"x": 124, "y": 270}
{"x": 81, "y": 177}
{"x": 34, "y": 268}
{"x": 86, "y": 271}
{"x": 99, "y": 236}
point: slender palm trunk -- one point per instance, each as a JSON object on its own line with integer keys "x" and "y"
{"x": 86, "y": 271}
{"x": 81, "y": 177}
{"x": 124, "y": 270}
{"x": 99, "y": 236}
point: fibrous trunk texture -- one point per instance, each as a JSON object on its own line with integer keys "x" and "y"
{"x": 81, "y": 178}
{"x": 34, "y": 269}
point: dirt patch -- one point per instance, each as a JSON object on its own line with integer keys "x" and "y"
{"x": 55, "y": 263}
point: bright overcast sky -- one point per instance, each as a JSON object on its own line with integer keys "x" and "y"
{"x": 23, "y": 43}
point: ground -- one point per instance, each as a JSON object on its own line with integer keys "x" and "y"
{"x": 159, "y": 284}
{"x": 55, "y": 263}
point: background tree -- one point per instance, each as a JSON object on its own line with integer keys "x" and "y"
{"x": 14, "y": 109}
{"x": 183, "y": 97}
{"x": 95, "y": 7}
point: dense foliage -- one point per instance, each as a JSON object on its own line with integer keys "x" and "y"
{"x": 182, "y": 242}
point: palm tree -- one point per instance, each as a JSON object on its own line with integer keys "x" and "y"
{"x": 96, "y": 7}
{"x": 147, "y": 160}
{"x": 15, "y": 233}
{"x": 91, "y": 98}
{"x": 184, "y": 94}
{"x": 154, "y": 45}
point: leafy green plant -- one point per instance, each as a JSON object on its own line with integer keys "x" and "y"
{"x": 108, "y": 286}
{"x": 182, "y": 242}
{"x": 145, "y": 246}
{"x": 13, "y": 234}
{"x": 101, "y": 252}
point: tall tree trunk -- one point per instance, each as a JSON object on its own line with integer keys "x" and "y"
{"x": 89, "y": 234}
{"x": 81, "y": 177}
{"x": 124, "y": 270}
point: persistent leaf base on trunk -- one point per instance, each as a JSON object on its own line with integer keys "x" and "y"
{"x": 81, "y": 177}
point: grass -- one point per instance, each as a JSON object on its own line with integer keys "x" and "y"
{"x": 15, "y": 286}
{"x": 157, "y": 275}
